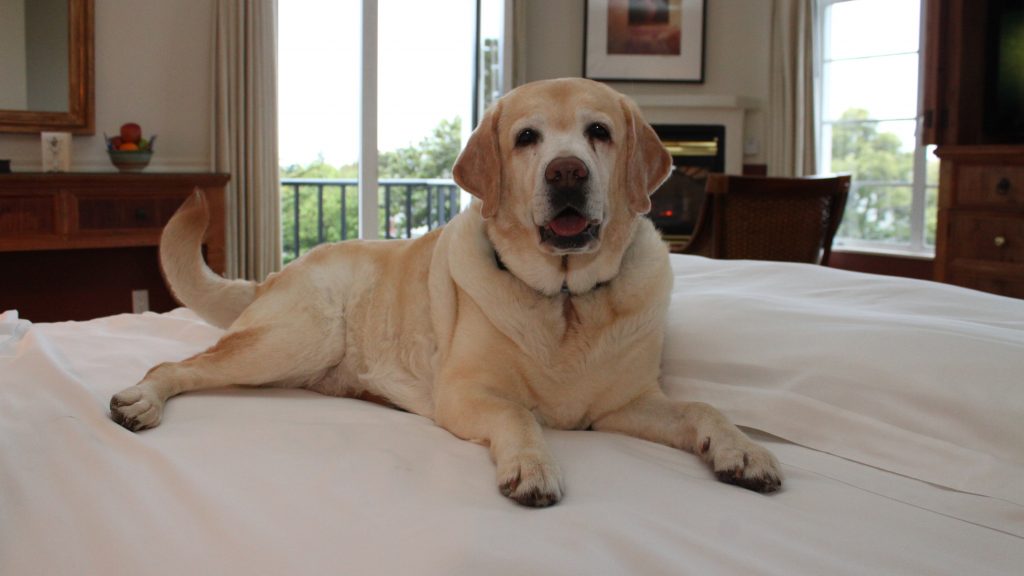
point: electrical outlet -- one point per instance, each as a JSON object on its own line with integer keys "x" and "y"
{"x": 752, "y": 146}
{"x": 140, "y": 301}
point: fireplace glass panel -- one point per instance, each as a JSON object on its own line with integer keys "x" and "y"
{"x": 696, "y": 151}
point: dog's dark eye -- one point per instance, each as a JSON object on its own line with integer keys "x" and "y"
{"x": 526, "y": 137}
{"x": 599, "y": 131}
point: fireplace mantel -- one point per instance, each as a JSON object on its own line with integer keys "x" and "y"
{"x": 723, "y": 109}
{"x": 693, "y": 101}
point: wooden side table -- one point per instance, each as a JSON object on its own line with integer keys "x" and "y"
{"x": 75, "y": 246}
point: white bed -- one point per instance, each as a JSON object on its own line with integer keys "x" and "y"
{"x": 896, "y": 408}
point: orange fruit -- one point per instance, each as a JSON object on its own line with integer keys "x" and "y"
{"x": 128, "y": 146}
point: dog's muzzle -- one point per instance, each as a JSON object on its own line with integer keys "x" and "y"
{"x": 571, "y": 229}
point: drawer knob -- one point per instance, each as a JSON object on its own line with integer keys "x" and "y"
{"x": 1000, "y": 241}
{"x": 141, "y": 214}
{"x": 1003, "y": 187}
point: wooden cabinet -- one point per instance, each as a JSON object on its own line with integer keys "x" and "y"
{"x": 75, "y": 246}
{"x": 980, "y": 241}
{"x": 974, "y": 112}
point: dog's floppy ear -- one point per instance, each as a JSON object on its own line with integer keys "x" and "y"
{"x": 648, "y": 163}
{"x": 478, "y": 170}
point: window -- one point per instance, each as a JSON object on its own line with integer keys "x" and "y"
{"x": 415, "y": 112}
{"x": 869, "y": 76}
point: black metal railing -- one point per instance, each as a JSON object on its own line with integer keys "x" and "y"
{"x": 318, "y": 210}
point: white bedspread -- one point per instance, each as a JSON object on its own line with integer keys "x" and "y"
{"x": 896, "y": 408}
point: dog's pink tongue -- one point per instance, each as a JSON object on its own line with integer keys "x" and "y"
{"x": 568, "y": 224}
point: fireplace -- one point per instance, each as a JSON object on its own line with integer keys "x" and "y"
{"x": 696, "y": 150}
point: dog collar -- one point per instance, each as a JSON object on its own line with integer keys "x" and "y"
{"x": 565, "y": 283}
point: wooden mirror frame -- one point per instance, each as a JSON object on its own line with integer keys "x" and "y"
{"x": 80, "y": 117}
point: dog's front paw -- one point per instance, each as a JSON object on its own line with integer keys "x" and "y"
{"x": 531, "y": 480}
{"x": 136, "y": 408}
{"x": 746, "y": 465}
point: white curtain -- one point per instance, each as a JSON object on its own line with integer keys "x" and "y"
{"x": 791, "y": 109}
{"x": 245, "y": 133}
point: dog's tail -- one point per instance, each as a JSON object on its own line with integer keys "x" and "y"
{"x": 217, "y": 300}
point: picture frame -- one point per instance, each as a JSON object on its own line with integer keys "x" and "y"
{"x": 644, "y": 40}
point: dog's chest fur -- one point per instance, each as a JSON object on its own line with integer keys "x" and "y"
{"x": 569, "y": 357}
{"x": 584, "y": 356}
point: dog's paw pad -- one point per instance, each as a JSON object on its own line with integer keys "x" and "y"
{"x": 135, "y": 410}
{"x": 531, "y": 481}
{"x": 751, "y": 467}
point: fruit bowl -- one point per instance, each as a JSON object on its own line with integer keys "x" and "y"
{"x": 129, "y": 151}
{"x": 130, "y": 160}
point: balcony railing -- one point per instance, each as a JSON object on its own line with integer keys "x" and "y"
{"x": 318, "y": 210}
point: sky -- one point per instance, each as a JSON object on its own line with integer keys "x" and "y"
{"x": 887, "y": 87}
{"x": 424, "y": 76}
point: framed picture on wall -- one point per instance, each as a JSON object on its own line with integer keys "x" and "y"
{"x": 644, "y": 40}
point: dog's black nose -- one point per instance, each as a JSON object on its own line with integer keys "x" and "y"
{"x": 566, "y": 172}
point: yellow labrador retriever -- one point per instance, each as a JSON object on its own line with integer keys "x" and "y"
{"x": 543, "y": 304}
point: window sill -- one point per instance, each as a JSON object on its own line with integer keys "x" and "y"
{"x": 880, "y": 250}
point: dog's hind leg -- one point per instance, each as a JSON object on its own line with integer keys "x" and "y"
{"x": 267, "y": 354}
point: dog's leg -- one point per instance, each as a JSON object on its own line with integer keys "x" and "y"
{"x": 526, "y": 471}
{"x": 259, "y": 355}
{"x": 701, "y": 429}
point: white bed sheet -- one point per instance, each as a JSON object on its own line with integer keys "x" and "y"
{"x": 900, "y": 403}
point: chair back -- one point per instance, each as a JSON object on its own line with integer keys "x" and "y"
{"x": 768, "y": 218}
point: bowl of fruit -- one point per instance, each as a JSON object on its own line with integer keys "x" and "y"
{"x": 129, "y": 151}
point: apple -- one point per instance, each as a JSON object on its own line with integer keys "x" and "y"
{"x": 131, "y": 132}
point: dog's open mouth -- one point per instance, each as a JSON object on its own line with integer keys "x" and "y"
{"x": 570, "y": 231}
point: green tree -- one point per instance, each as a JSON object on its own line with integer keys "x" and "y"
{"x": 432, "y": 158}
{"x": 319, "y": 168}
{"x": 309, "y": 206}
{"x": 879, "y": 207}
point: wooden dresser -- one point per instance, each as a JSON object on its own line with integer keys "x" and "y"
{"x": 980, "y": 241}
{"x": 75, "y": 246}
{"x": 974, "y": 112}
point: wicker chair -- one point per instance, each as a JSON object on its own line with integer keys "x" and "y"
{"x": 761, "y": 218}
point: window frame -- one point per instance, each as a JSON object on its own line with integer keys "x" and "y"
{"x": 918, "y": 245}
{"x": 368, "y": 158}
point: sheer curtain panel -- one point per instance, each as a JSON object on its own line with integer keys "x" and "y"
{"x": 245, "y": 133}
{"x": 791, "y": 108}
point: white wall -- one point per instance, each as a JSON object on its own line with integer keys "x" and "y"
{"x": 737, "y": 55}
{"x": 153, "y": 68}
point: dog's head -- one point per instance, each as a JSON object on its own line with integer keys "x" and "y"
{"x": 562, "y": 168}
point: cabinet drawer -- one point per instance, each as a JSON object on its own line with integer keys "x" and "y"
{"x": 30, "y": 214}
{"x": 995, "y": 284}
{"x": 990, "y": 186}
{"x": 987, "y": 238}
{"x": 125, "y": 212}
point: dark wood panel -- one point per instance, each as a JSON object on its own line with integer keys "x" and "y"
{"x": 25, "y": 213}
{"x": 989, "y": 238}
{"x": 74, "y": 246}
{"x": 990, "y": 186}
{"x": 57, "y": 285}
{"x": 118, "y": 212}
{"x": 987, "y": 281}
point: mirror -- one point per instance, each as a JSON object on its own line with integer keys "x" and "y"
{"x": 46, "y": 61}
